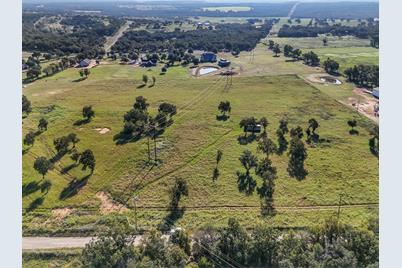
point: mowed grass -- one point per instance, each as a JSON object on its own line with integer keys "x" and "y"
{"x": 350, "y": 56}
{"x": 342, "y": 165}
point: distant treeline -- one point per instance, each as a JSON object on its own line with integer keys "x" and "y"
{"x": 86, "y": 37}
{"x": 165, "y": 9}
{"x": 341, "y": 9}
{"x": 231, "y": 37}
{"x": 361, "y": 31}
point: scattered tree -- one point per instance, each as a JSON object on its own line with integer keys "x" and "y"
{"x": 331, "y": 66}
{"x": 88, "y": 112}
{"x": 352, "y": 124}
{"x": 87, "y": 159}
{"x": 26, "y": 105}
{"x": 297, "y": 154}
{"x": 29, "y": 138}
{"x": 42, "y": 126}
{"x": 42, "y": 165}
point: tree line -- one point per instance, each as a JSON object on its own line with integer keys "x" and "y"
{"x": 86, "y": 37}
{"x": 360, "y": 31}
{"x": 328, "y": 244}
{"x": 231, "y": 37}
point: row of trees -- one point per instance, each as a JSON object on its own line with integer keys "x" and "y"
{"x": 360, "y": 31}
{"x": 363, "y": 75}
{"x": 331, "y": 244}
{"x": 309, "y": 58}
{"x": 87, "y": 38}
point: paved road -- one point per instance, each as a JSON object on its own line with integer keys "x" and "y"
{"x": 37, "y": 242}
{"x": 54, "y": 242}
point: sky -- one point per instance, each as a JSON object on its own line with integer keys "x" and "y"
{"x": 208, "y": 1}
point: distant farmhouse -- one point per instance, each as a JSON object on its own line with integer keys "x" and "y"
{"x": 223, "y": 63}
{"x": 208, "y": 57}
{"x": 84, "y": 63}
{"x": 148, "y": 63}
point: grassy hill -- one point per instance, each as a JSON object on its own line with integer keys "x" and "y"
{"x": 342, "y": 165}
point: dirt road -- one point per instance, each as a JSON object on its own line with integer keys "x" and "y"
{"x": 37, "y": 242}
{"x": 111, "y": 40}
{"x": 29, "y": 243}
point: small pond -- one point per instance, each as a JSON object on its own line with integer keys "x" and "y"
{"x": 207, "y": 70}
{"x": 329, "y": 79}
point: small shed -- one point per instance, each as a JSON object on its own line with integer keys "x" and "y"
{"x": 223, "y": 63}
{"x": 208, "y": 57}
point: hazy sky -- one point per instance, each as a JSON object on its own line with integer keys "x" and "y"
{"x": 210, "y": 1}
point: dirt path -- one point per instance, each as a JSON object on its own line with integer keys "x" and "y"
{"x": 111, "y": 40}
{"x": 37, "y": 242}
{"x": 293, "y": 9}
{"x": 29, "y": 243}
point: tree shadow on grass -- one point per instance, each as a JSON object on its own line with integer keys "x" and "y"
{"x": 58, "y": 156}
{"x": 170, "y": 219}
{"x": 140, "y": 86}
{"x": 81, "y": 122}
{"x": 30, "y": 188}
{"x": 80, "y": 79}
{"x": 66, "y": 169}
{"x": 123, "y": 138}
{"x": 36, "y": 203}
{"x": 73, "y": 187}
{"x": 353, "y": 132}
{"x": 245, "y": 183}
{"x": 267, "y": 207}
{"x": 244, "y": 140}
{"x": 222, "y": 117}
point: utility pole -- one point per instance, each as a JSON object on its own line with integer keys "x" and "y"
{"x": 154, "y": 136}
{"x": 135, "y": 212}
{"x": 339, "y": 207}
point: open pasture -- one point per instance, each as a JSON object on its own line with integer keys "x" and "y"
{"x": 349, "y": 56}
{"x": 316, "y": 42}
{"x": 341, "y": 165}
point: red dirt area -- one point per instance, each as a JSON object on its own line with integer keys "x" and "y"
{"x": 365, "y": 103}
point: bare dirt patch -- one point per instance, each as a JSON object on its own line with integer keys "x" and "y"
{"x": 364, "y": 103}
{"x": 103, "y": 130}
{"x": 62, "y": 213}
{"x": 108, "y": 205}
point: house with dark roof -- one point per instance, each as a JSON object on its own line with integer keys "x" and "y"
{"x": 84, "y": 63}
{"x": 208, "y": 57}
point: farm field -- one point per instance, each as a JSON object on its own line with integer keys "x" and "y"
{"x": 316, "y": 42}
{"x": 350, "y": 56}
{"x": 341, "y": 165}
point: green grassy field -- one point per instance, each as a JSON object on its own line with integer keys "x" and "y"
{"x": 66, "y": 258}
{"x": 316, "y": 42}
{"x": 267, "y": 86}
{"x": 350, "y": 56}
